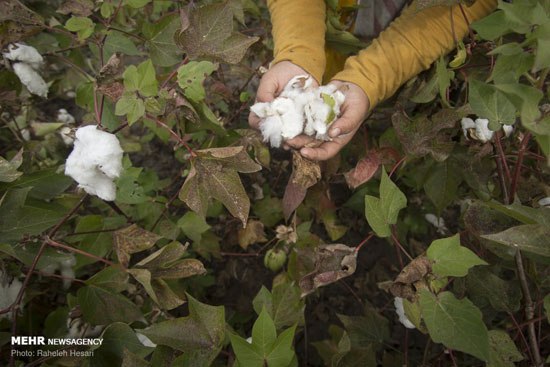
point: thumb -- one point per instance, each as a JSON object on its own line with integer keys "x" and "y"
{"x": 267, "y": 89}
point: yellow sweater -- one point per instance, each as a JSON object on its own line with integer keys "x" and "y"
{"x": 409, "y": 45}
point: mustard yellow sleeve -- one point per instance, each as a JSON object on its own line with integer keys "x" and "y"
{"x": 409, "y": 45}
{"x": 299, "y": 33}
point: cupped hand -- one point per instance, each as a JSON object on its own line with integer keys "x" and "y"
{"x": 353, "y": 112}
{"x": 272, "y": 84}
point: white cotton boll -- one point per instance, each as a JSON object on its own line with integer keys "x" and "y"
{"x": 261, "y": 109}
{"x": 544, "y": 201}
{"x": 31, "y": 79}
{"x": 271, "y": 129}
{"x": 26, "y": 54}
{"x": 508, "y": 130}
{"x": 26, "y": 134}
{"x": 95, "y": 161}
{"x": 65, "y": 117}
{"x": 398, "y": 303}
{"x": 483, "y": 133}
{"x": 66, "y": 266}
{"x": 65, "y": 133}
{"x": 249, "y": 340}
{"x": 467, "y": 123}
{"x": 438, "y": 223}
{"x": 76, "y": 327}
{"x": 8, "y": 294}
{"x": 145, "y": 340}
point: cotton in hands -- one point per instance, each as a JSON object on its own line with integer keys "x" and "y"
{"x": 300, "y": 108}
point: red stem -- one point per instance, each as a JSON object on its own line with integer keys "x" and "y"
{"x": 522, "y": 336}
{"x": 166, "y": 127}
{"x": 174, "y": 72}
{"x": 518, "y": 166}
{"x": 72, "y": 249}
{"x": 396, "y": 165}
{"x": 364, "y": 241}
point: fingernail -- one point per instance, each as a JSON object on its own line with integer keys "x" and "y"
{"x": 305, "y": 152}
{"x": 335, "y": 132}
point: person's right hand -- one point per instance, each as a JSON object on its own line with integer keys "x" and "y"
{"x": 272, "y": 84}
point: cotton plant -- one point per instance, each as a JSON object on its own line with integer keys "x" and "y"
{"x": 300, "y": 108}
{"x": 65, "y": 132}
{"x": 65, "y": 267}
{"x": 26, "y": 63}
{"x": 480, "y": 131}
{"x": 96, "y": 160}
{"x": 437, "y": 222}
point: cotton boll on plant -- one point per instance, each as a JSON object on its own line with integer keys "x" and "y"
{"x": 8, "y": 293}
{"x": 96, "y": 160}
{"x": 403, "y": 319}
{"x": 300, "y": 108}
{"x": 31, "y": 79}
{"x": 479, "y": 129}
{"x": 65, "y": 117}
{"x": 26, "y": 54}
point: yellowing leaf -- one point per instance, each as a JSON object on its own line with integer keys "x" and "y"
{"x": 130, "y": 240}
{"x": 253, "y": 233}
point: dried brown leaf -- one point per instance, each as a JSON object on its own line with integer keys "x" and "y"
{"x": 306, "y": 172}
{"x": 412, "y": 278}
{"x": 253, "y": 233}
{"x": 130, "y": 240}
{"x": 81, "y": 8}
{"x": 363, "y": 171}
{"x": 113, "y": 90}
{"x": 332, "y": 263}
{"x": 112, "y": 69}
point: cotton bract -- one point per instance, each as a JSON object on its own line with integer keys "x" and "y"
{"x": 96, "y": 160}
{"x": 27, "y": 61}
{"x": 300, "y": 108}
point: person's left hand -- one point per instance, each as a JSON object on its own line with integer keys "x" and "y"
{"x": 353, "y": 112}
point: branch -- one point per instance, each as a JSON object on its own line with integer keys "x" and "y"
{"x": 174, "y": 72}
{"x": 518, "y": 167}
{"x": 84, "y": 253}
{"x": 166, "y": 127}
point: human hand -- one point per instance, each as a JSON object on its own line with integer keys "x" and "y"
{"x": 354, "y": 110}
{"x": 272, "y": 84}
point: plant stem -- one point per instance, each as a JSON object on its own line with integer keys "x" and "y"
{"x": 74, "y": 66}
{"x": 529, "y": 309}
{"x": 166, "y": 127}
{"x": 472, "y": 40}
{"x": 394, "y": 237}
{"x": 166, "y": 207}
{"x": 364, "y": 241}
{"x": 396, "y": 165}
{"x": 173, "y": 73}
{"x": 96, "y": 109}
{"x": 84, "y": 253}
{"x": 498, "y": 135}
{"x": 109, "y": 28}
{"x": 518, "y": 167}
{"x": 59, "y": 276}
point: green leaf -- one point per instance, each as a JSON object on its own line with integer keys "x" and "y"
{"x": 117, "y": 42}
{"x": 503, "y": 295}
{"x": 281, "y": 355}
{"x": 132, "y": 106}
{"x": 369, "y": 329}
{"x": 525, "y": 98}
{"x": 497, "y": 24}
{"x": 455, "y": 323}
{"x": 191, "y": 78}
{"x": 193, "y": 226}
{"x": 45, "y": 184}
{"x": 199, "y": 335}
{"x": 442, "y": 183}
{"x": 503, "y": 352}
{"x": 490, "y": 103}
{"x": 392, "y": 200}
{"x": 533, "y": 238}
{"x": 332, "y": 226}
{"x": 111, "y": 278}
{"x": 8, "y": 170}
{"x": 444, "y": 77}
{"x": 117, "y": 338}
{"x": 375, "y": 217}
{"x": 136, "y": 4}
{"x": 82, "y": 25}
{"x": 264, "y": 333}
{"x": 247, "y": 354}
{"x": 102, "y": 307}
{"x": 130, "y": 240}
{"x": 160, "y": 40}
{"x": 460, "y": 57}
{"x": 269, "y": 210}
{"x": 450, "y": 258}
{"x": 210, "y": 34}
{"x": 285, "y": 305}
{"x": 142, "y": 79}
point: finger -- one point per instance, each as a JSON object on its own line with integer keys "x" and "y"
{"x": 267, "y": 89}
{"x": 323, "y": 152}
{"x": 299, "y": 141}
{"x": 346, "y": 124}
{"x": 254, "y": 120}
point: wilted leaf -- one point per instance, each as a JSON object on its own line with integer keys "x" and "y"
{"x": 214, "y": 174}
{"x": 130, "y": 240}
{"x": 77, "y": 7}
{"x": 306, "y": 172}
{"x": 363, "y": 171}
{"x": 292, "y": 198}
{"x": 451, "y": 259}
{"x": 17, "y": 22}
{"x": 199, "y": 335}
{"x": 210, "y": 34}
{"x": 411, "y": 278}
{"x": 8, "y": 170}
{"x": 455, "y": 323}
{"x": 253, "y": 233}
{"x": 112, "y": 68}
{"x": 332, "y": 263}
{"x": 253, "y": 139}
